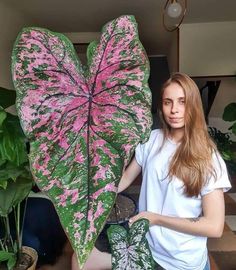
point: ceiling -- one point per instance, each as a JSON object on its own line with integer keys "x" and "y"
{"x": 91, "y": 15}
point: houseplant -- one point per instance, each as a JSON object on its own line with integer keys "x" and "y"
{"x": 229, "y": 115}
{"x": 15, "y": 184}
{"x": 225, "y": 144}
{"x": 124, "y": 208}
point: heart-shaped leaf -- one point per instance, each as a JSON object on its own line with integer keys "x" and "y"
{"x": 130, "y": 249}
{"x": 83, "y": 124}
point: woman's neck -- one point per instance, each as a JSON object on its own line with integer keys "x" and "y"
{"x": 176, "y": 134}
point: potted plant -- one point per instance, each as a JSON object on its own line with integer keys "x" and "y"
{"x": 225, "y": 144}
{"x": 15, "y": 185}
{"x": 124, "y": 208}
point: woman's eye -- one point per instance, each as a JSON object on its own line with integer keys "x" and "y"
{"x": 166, "y": 102}
{"x": 182, "y": 102}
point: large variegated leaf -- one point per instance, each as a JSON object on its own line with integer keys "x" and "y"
{"x": 130, "y": 249}
{"x": 83, "y": 124}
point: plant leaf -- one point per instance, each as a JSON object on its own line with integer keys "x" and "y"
{"x": 13, "y": 194}
{"x": 11, "y": 262}
{"x": 5, "y": 255}
{"x": 3, "y": 116}
{"x": 233, "y": 128}
{"x": 3, "y": 183}
{"x": 9, "y": 257}
{"x": 230, "y": 112}
{"x": 13, "y": 141}
{"x": 9, "y": 171}
{"x": 130, "y": 250}
{"x": 83, "y": 126}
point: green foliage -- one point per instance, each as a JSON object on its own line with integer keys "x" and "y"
{"x": 225, "y": 145}
{"x": 230, "y": 116}
{"x": 9, "y": 257}
{"x": 15, "y": 178}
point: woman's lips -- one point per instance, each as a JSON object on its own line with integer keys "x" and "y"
{"x": 175, "y": 120}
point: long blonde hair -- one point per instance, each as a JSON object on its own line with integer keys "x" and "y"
{"x": 192, "y": 161}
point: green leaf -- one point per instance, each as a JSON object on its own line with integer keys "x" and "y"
{"x": 13, "y": 141}
{"x": 91, "y": 50}
{"x": 230, "y": 112}
{"x": 9, "y": 257}
{"x": 3, "y": 116}
{"x": 7, "y": 97}
{"x": 11, "y": 171}
{"x": 11, "y": 262}
{"x": 5, "y": 255}
{"x": 130, "y": 249}
{"x": 14, "y": 193}
{"x": 3, "y": 183}
{"x": 226, "y": 155}
{"x": 233, "y": 128}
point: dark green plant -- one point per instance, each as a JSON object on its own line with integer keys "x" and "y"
{"x": 225, "y": 145}
{"x": 15, "y": 180}
{"x": 229, "y": 115}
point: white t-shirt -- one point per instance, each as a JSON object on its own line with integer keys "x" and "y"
{"x": 171, "y": 249}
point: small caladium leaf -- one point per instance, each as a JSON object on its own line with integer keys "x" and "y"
{"x": 83, "y": 123}
{"x": 130, "y": 249}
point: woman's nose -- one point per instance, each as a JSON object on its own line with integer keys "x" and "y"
{"x": 174, "y": 108}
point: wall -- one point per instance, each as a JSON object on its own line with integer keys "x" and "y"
{"x": 207, "y": 49}
{"x": 81, "y": 41}
{"x": 11, "y": 22}
{"x": 226, "y": 94}
{"x": 173, "y": 52}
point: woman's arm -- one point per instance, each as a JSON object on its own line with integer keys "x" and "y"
{"x": 211, "y": 224}
{"x": 130, "y": 174}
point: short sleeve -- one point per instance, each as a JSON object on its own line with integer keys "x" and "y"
{"x": 139, "y": 154}
{"x": 143, "y": 150}
{"x": 221, "y": 180}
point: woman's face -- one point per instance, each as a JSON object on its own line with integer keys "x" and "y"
{"x": 173, "y": 106}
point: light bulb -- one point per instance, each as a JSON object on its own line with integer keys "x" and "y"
{"x": 174, "y": 10}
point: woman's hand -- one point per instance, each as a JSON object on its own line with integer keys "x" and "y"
{"x": 152, "y": 217}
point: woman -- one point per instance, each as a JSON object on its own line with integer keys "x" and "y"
{"x": 183, "y": 182}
